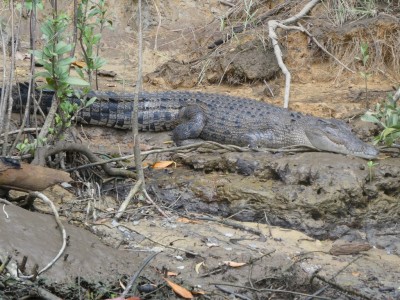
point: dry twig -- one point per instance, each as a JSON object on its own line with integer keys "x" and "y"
{"x": 136, "y": 275}
{"x": 271, "y": 290}
{"x": 194, "y": 146}
{"x": 62, "y": 146}
{"x": 273, "y": 25}
{"x": 60, "y": 227}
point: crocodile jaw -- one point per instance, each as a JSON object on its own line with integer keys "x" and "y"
{"x": 359, "y": 149}
{"x": 340, "y": 139}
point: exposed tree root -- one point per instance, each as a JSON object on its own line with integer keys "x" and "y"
{"x": 63, "y": 146}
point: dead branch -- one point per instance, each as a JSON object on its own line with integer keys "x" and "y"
{"x": 270, "y": 290}
{"x": 32, "y": 41}
{"x": 272, "y": 26}
{"x": 23, "y": 130}
{"x": 194, "y": 146}
{"x": 60, "y": 226}
{"x": 140, "y": 184}
{"x": 302, "y": 29}
{"x": 136, "y": 275}
{"x": 8, "y": 97}
{"x": 128, "y": 199}
{"x": 331, "y": 279}
{"x": 3, "y": 89}
{"x": 137, "y": 187}
{"x": 158, "y": 243}
{"x": 236, "y": 295}
{"x": 226, "y": 3}
{"x": 154, "y": 204}
{"x": 64, "y": 146}
{"x": 232, "y": 224}
{"x": 158, "y": 25}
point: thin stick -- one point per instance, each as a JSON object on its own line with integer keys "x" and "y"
{"x": 14, "y": 43}
{"x": 301, "y": 28}
{"x": 60, "y": 226}
{"x": 23, "y": 130}
{"x": 3, "y": 89}
{"x": 297, "y": 148}
{"x": 158, "y": 243}
{"x": 158, "y": 25}
{"x": 140, "y": 184}
{"x": 138, "y": 90}
{"x": 136, "y": 275}
{"x": 154, "y": 204}
{"x": 271, "y": 290}
{"x": 128, "y": 198}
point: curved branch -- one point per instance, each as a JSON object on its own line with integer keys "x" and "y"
{"x": 43, "y": 153}
{"x": 60, "y": 226}
{"x": 272, "y": 25}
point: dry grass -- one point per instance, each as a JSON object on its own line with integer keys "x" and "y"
{"x": 382, "y": 34}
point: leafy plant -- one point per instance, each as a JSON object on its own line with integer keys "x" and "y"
{"x": 387, "y": 115}
{"x": 30, "y": 4}
{"x": 53, "y": 60}
{"x": 26, "y": 147}
{"x": 364, "y": 51}
{"x": 371, "y": 165}
{"x": 88, "y": 38}
{"x": 56, "y": 62}
{"x": 248, "y": 7}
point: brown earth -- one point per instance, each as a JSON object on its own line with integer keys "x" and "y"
{"x": 328, "y": 196}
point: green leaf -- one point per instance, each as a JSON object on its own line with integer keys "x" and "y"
{"x": 38, "y": 54}
{"x": 79, "y": 71}
{"x": 66, "y": 61}
{"x": 393, "y": 120}
{"x": 49, "y": 87}
{"x": 47, "y": 30}
{"x": 370, "y": 118}
{"x": 387, "y": 131}
{"x": 39, "y": 5}
{"x": 44, "y": 74}
{"x": 76, "y": 81}
{"x": 365, "y": 59}
{"x": 93, "y": 12}
{"x": 62, "y": 48}
{"x": 90, "y": 101}
{"x": 96, "y": 38}
{"x": 61, "y": 72}
{"x": 48, "y": 53}
{"x": 98, "y": 63}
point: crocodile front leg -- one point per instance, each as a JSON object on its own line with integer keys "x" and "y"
{"x": 191, "y": 122}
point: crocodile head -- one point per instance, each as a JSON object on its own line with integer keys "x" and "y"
{"x": 335, "y": 136}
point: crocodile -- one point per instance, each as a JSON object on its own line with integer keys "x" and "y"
{"x": 221, "y": 118}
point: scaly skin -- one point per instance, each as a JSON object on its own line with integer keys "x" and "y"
{"x": 222, "y": 118}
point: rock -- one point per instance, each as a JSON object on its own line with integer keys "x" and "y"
{"x": 325, "y": 195}
{"x": 342, "y": 247}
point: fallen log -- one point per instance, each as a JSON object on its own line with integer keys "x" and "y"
{"x": 26, "y": 177}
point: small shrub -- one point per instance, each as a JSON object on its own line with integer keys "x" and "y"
{"x": 386, "y": 115}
